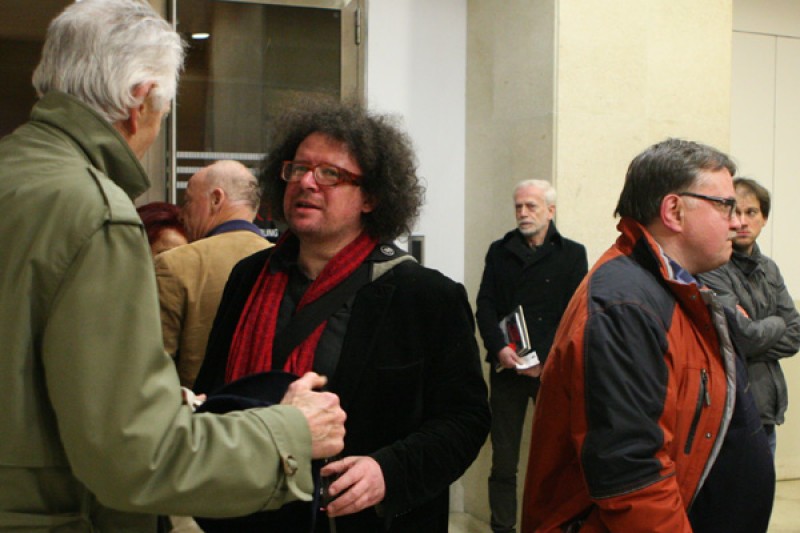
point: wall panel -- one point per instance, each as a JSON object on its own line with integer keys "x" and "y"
{"x": 765, "y": 134}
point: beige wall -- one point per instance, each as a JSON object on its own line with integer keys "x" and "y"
{"x": 631, "y": 73}
{"x": 787, "y": 456}
{"x": 765, "y": 133}
{"x": 571, "y": 92}
{"x": 510, "y": 137}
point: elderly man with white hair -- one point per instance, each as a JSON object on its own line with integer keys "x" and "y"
{"x": 95, "y": 434}
{"x": 536, "y": 268}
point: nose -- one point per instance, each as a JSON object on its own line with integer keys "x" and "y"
{"x": 307, "y": 181}
{"x": 735, "y": 222}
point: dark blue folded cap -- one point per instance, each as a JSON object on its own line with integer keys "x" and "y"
{"x": 256, "y": 390}
{"x": 260, "y": 390}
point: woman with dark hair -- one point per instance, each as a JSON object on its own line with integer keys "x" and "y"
{"x": 163, "y": 225}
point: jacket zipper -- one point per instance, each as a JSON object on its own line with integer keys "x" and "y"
{"x": 703, "y": 398}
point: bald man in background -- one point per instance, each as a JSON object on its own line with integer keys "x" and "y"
{"x": 220, "y": 205}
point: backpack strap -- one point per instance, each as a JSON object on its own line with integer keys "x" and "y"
{"x": 305, "y": 321}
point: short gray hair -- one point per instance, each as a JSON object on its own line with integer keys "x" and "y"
{"x": 542, "y": 185}
{"x": 99, "y": 51}
{"x": 671, "y": 166}
{"x": 236, "y": 180}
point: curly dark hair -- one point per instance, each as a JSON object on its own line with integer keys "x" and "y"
{"x": 383, "y": 151}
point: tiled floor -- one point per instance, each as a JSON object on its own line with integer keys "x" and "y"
{"x": 785, "y": 513}
{"x": 464, "y": 523}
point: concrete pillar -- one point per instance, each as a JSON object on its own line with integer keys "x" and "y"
{"x": 570, "y": 91}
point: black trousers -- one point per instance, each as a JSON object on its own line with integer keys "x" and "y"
{"x": 509, "y": 397}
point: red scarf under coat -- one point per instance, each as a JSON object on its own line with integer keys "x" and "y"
{"x": 251, "y": 348}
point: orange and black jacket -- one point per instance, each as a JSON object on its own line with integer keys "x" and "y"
{"x": 636, "y": 398}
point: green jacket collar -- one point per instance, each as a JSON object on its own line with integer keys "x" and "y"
{"x": 101, "y": 144}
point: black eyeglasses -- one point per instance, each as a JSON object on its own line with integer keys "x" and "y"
{"x": 728, "y": 203}
{"x": 324, "y": 173}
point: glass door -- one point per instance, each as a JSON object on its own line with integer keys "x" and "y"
{"x": 248, "y": 60}
{"x": 22, "y": 31}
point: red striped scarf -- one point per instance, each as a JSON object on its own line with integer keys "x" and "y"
{"x": 251, "y": 348}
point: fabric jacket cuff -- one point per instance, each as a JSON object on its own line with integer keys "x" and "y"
{"x": 289, "y": 430}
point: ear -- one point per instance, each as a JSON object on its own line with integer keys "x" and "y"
{"x": 216, "y": 198}
{"x": 551, "y": 211}
{"x": 141, "y": 93}
{"x": 672, "y": 213}
{"x": 369, "y": 204}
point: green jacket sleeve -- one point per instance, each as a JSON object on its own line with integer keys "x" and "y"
{"x": 116, "y": 398}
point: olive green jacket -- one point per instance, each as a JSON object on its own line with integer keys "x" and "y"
{"x": 92, "y": 427}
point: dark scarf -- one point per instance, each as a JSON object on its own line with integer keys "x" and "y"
{"x": 251, "y": 348}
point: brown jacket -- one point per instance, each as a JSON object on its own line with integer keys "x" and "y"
{"x": 190, "y": 282}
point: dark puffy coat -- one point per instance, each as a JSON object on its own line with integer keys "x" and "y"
{"x": 772, "y": 331}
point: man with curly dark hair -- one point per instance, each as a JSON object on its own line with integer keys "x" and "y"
{"x": 395, "y": 339}
{"x": 383, "y": 153}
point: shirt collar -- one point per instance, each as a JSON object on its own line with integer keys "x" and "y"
{"x": 235, "y": 225}
{"x": 675, "y": 270}
{"x": 679, "y": 274}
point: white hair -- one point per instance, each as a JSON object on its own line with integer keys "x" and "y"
{"x": 542, "y": 185}
{"x": 100, "y": 51}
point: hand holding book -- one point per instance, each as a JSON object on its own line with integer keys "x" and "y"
{"x": 528, "y": 361}
{"x": 515, "y": 333}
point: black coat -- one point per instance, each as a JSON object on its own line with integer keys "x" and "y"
{"x": 409, "y": 379}
{"x": 543, "y": 281}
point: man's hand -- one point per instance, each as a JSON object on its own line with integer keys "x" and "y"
{"x": 508, "y": 358}
{"x": 191, "y": 399}
{"x": 322, "y": 411}
{"x": 360, "y": 485}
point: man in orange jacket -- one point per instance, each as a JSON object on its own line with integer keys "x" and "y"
{"x": 658, "y": 431}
